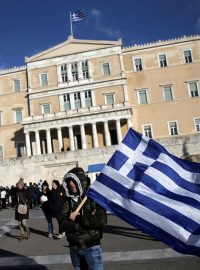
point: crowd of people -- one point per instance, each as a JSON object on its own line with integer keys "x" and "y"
{"x": 8, "y": 195}
{"x": 83, "y": 228}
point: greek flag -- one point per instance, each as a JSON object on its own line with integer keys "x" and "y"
{"x": 154, "y": 191}
{"x": 78, "y": 16}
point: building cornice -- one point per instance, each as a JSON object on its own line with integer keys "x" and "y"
{"x": 76, "y": 117}
{"x": 160, "y": 43}
{"x": 70, "y": 89}
{"x": 12, "y": 70}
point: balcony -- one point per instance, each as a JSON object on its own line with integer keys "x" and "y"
{"x": 76, "y": 113}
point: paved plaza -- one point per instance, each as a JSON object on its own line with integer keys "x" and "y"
{"x": 124, "y": 247}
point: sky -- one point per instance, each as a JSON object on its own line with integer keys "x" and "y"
{"x": 28, "y": 27}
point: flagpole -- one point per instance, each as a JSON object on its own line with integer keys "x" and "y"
{"x": 71, "y": 23}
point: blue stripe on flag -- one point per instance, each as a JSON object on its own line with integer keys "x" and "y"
{"x": 142, "y": 224}
{"x": 158, "y": 188}
{"x": 150, "y": 203}
{"x": 176, "y": 178}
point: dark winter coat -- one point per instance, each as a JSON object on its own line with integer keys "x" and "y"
{"x": 86, "y": 230}
{"x": 23, "y": 197}
{"x": 55, "y": 201}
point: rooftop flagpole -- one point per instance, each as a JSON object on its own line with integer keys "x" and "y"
{"x": 76, "y": 16}
{"x": 71, "y": 23}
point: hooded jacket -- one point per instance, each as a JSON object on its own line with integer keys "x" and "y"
{"x": 86, "y": 230}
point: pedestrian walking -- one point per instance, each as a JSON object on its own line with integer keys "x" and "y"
{"x": 21, "y": 211}
{"x": 56, "y": 203}
{"x": 44, "y": 201}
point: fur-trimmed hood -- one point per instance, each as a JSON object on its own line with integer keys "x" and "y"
{"x": 78, "y": 175}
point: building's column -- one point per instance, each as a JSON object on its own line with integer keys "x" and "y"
{"x": 125, "y": 93}
{"x": 69, "y": 72}
{"x": 71, "y": 97}
{"x": 83, "y": 137}
{"x": 94, "y": 135}
{"x": 71, "y": 138}
{"x": 129, "y": 123}
{"x": 93, "y": 98}
{"x": 80, "y": 73}
{"x": 59, "y": 73}
{"x": 82, "y": 93}
{"x": 119, "y": 132}
{"x": 61, "y": 101}
{"x": 37, "y": 138}
{"x": 121, "y": 64}
{"x": 48, "y": 138}
{"x": 107, "y": 134}
{"x": 90, "y": 69}
{"x": 60, "y": 139}
{"x": 28, "y": 144}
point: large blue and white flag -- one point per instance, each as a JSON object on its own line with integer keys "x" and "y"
{"x": 78, "y": 16}
{"x": 154, "y": 191}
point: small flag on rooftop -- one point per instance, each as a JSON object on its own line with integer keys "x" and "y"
{"x": 77, "y": 16}
{"x": 154, "y": 191}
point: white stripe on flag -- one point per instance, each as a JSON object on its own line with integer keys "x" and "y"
{"x": 148, "y": 215}
{"x": 186, "y": 175}
{"x": 163, "y": 179}
{"x": 181, "y": 207}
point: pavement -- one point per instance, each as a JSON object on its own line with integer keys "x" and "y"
{"x": 124, "y": 247}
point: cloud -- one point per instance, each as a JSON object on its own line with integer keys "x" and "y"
{"x": 99, "y": 24}
{"x": 198, "y": 24}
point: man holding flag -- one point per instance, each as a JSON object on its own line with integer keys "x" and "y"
{"x": 83, "y": 226}
{"x": 154, "y": 191}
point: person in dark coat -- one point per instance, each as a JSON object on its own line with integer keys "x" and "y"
{"x": 44, "y": 201}
{"x": 22, "y": 197}
{"x": 84, "y": 229}
{"x": 56, "y": 203}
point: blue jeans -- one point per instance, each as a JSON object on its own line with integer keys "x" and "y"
{"x": 93, "y": 257}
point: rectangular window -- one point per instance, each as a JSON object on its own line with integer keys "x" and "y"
{"x": 109, "y": 99}
{"x": 64, "y": 73}
{"x": 16, "y": 85}
{"x": 162, "y": 60}
{"x": 85, "y": 70}
{"x": 173, "y": 128}
{"x": 106, "y": 69}
{"x": 74, "y": 71}
{"x": 197, "y": 124}
{"x": 138, "y": 64}
{"x": 77, "y": 100}
{"x": 88, "y": 99}
{"x": 18, "y": 115}
{"x": 142, "y": 95}
{"x": 44, "y": 79}
{"x": 66, "y": 99}
{"x": 147, "y": 131}
{"x": 167, "y": 93}
{"x": 1, "y": 151}
{"x": 187, "y": 56}
{"x": 193, "y": 89}
{"x": 46, "y": 108}
{"x": 20, "y": 149}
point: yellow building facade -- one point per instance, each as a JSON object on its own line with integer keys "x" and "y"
{"x": 86, "y": 94}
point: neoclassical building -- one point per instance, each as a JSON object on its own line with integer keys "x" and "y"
{"x": 83, "y": 95}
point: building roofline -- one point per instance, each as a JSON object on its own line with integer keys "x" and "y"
{"x": 12, "y": 70}
{"x": 71, "y": 39}
{"x": 160, "y": 43}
